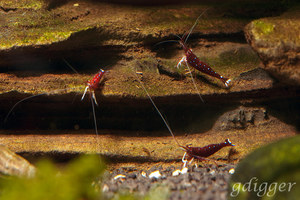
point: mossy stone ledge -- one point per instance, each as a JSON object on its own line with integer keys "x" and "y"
{"x": 277, "y": 42}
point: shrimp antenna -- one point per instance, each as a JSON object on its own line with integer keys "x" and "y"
{"x": 194, "y": 83}
{"x": 10, "y": 111}
{"x": 177, "y": 36}
{"x": 74, "y": 70}
{"x": 36, "y": 95}
{"x": 94, "y": 115}
{"x": 166, "y": 41}
{"x": 167, "y": 125}
{"x": 195, "y": 25}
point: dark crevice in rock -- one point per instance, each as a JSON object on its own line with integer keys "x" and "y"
{"x": 49, "y": 59}
{"x": 59, "y": 157}
{"x": 135, "y": 159}
{"x": 7, "y": 9}
{"x": 42, "y": 60}
{"x": 52, "y": 4}
{"x": 286, "y": 110}
{"x": 68, "y": 112}
{"x": 154, "y": 43}
{"x": 65, "y": 157}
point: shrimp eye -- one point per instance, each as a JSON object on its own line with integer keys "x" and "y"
{"x": 94, "y": 81}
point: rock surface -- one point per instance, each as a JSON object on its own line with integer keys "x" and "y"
{"x": 13, "y": 164}
{"x": 241, "y": 118}
{"x": 88, "y": 35}
{"x": 143, "y": 146}
{"x": 41, "y": 39}
{"x": 277, "y": 42}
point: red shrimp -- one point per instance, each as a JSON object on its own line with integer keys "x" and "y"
{"x": 192, "y": 60}
{"x": 94, "y": 84}
{"x": 199, "y": 153}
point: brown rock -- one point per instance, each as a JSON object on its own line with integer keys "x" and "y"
{"x": 241, "y": 118}
{"x": 277, "y": 42}
{"x": 13, "y": 164}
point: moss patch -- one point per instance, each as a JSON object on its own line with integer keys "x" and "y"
{"x": 263, "y": 27}
{"x": 143, "y": 24}
{"x": 275, "y": 163}
{"x": 74, "y": 182}
{"x": 276, "y": 30}
{"x": 36, "y": 28}
{"x": 22, "y": 4}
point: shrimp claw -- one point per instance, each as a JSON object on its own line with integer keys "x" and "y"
{"x": 183, "y": 59}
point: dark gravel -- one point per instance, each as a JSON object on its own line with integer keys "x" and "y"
{"x": 208, "y": 182}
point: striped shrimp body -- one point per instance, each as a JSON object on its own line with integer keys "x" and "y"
{"x": 192, "y": 60}
{"x": 94, "y": 84}
{"x": 201, "y": 153}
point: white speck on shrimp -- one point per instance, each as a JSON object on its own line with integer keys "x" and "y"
{"x": 119, "y": 176}
{"x": 184, "y": 170}
{"x": 212, "y": 172}
{"x": 156, "y": 174}
{"x": 144, "y": 174}
{"x": 176, "y": 172}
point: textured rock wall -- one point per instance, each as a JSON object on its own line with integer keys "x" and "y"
{"x": 40, "y": 40}
{"x": 277, "y": 42}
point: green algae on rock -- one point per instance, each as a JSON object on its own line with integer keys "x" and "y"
{"x": 25, "y": 26}
{"x": 277, "y": 42}
{"x": 78, "y": 180}
{"x": 21, "y": 4}
{"x": 263, "y": 28}
{"x": 35, "y": 29}
{"x": 274, "y": 165}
